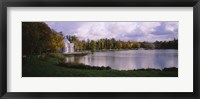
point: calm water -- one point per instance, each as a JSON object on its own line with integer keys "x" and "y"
{"x": 130, "y": 59}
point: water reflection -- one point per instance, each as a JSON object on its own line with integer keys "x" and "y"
{"x": 130, "y": 59}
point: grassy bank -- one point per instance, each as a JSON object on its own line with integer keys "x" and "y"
{"x": 51, "y": 65}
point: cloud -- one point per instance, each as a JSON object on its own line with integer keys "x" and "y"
{"x": 133, "y": 31}
{"x": 166, "y": 28}
{"x": 94, "y": 31}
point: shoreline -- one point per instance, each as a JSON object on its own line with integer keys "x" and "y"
{"x": 107, "y": 50}
{"x": 104, "y": 50}
{"x": 83, "y": 66}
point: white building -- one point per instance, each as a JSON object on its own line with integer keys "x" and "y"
{"x": 69, "y": 47}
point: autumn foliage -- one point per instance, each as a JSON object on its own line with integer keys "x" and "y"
{"x": 38, "y": 38}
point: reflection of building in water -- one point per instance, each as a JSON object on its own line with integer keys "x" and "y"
{"x": 94, "y": 61}
{"x": 69, "y": 47}
{"x": 69, "y": 59}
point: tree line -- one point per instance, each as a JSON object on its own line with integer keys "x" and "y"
{"x": 107, "y": 44}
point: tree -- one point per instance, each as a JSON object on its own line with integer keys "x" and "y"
{"x": 36, "y": 37}
{"x": 119, "y": 45}
{"x": 93, "y": 45}
{"x": 57, "y": 42}
{"x": 136, "y": 45}
{"x": 147, "y": 45}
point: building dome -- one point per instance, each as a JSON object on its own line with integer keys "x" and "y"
{"x": 66, "y": 40}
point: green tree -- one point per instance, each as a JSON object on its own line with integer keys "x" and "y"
{"x": 57, "y": 42}
{"x": 136, "y": 45}
{"x": 93, "y": 45}
{"x": 36, "y": 38}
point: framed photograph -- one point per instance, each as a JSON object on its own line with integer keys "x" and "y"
{"x": 89, "y": 49}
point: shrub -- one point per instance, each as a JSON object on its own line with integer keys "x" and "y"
{"x": 57, "y": 55}
{"x": 170, "y": 69}
{"x": 82, "y": 66}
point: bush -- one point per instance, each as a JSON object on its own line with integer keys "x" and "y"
{"x": 82, "y": 66}
{"x": 57, "y": 55}
{"x": 148, "y": 69}
{"x": 170, "y": 69}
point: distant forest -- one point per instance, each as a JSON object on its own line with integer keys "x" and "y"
{"x": 38, "y": 38}
{"x": 103, "y": 44}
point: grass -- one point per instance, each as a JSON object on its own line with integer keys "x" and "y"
{"x": 51, "y": 65}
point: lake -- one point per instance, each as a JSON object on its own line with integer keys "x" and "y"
{"x": 130, "y": 59}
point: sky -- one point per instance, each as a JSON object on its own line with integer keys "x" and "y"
{"x": 126, "y": 31}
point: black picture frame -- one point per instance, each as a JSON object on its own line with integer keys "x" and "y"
{"x": 99, "y": 3}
